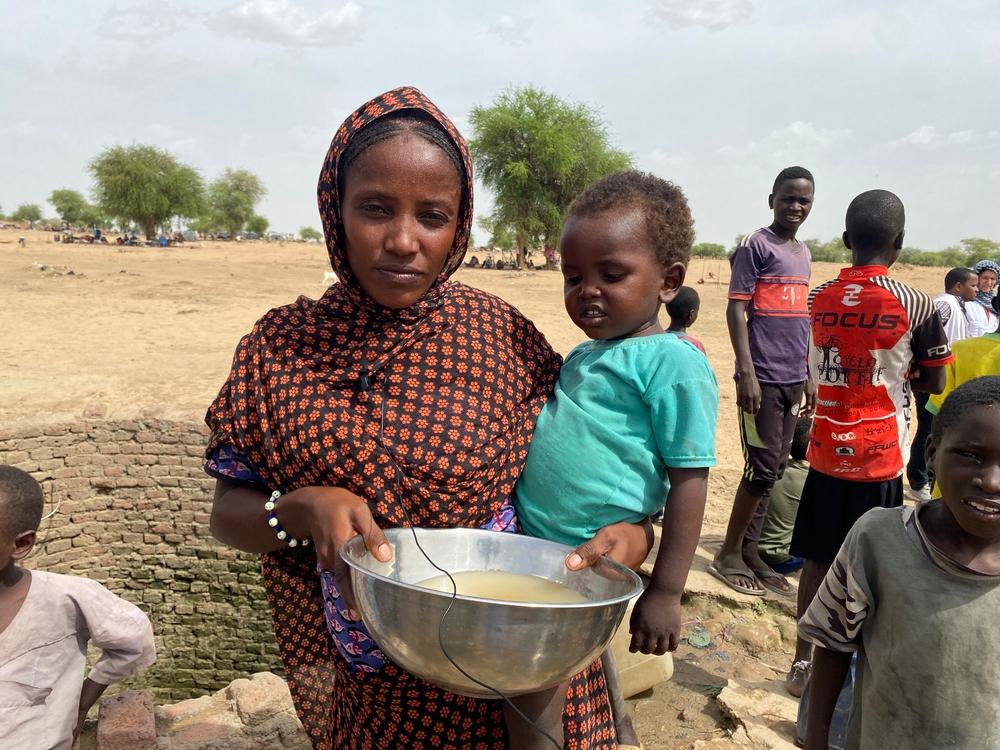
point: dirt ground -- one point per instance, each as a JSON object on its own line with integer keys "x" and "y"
{"x": 136, "y": 328}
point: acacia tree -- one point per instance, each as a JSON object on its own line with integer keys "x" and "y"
{"x": 310, "y": 233}
{"x": 70, "y": 205}
{"x": 258, "y": 224}
{"x": 537, "y": 152}
{"x": 145, "y": 185}
{"x": 232, "y": 198}
{"x": 27, "y": 212}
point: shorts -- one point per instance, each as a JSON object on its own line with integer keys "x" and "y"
{"x": 830, "y": 506}
{"x": 766, "y": 436}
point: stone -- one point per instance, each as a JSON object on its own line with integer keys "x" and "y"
{"x": 763, "y": 711}
{"x": 260, "y": 698}
{"x": 758, "y": 637}
{"x": 127, "y": 722}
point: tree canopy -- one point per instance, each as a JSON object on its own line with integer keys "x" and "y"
{"x": 27, "y": 212}
{"x": 145, "y": 185}
{"x": 71, "y": 206}
{"x": 309, "y": 233}
{"x": 708, "y": 250}
{"x": 257, "y": 224}
{"x": 232, "y": 198}
{"x": 537, "y": 152}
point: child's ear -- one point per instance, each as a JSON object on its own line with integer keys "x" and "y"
{"x": 770, "y": 201}
{"x": 671, "y": 281}
{"x": 847, "y": 241}
{"x": 929, "y": 452}
{"x": 23, "y": 544}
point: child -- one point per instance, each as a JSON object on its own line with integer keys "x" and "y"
{"x": 953, "y": 306}
{"x": 916, "y": 592}
{"x": 873, "y": 341}
{"x": 46, "y": 621}
{"x": 776, "y": 535}
{"x": 683, "y": 312}
{"x": 974, "y": 358}
{"x": 632, "y": 418}
{"x": 769, "y": 329}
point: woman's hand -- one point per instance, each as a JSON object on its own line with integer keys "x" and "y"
{"x": 625, "y": 543}
{"x": 331, "y": 516}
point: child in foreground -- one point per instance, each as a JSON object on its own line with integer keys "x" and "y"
{"x": 916, "y": 592}
{"x": 46, "y": 621}
{"x": 632, "y": 420}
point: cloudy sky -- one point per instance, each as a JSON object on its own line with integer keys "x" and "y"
{"x": 717, "y": 95}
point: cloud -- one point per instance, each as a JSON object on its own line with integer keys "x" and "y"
{"x": 660, "y": 160}
{"x": 281, "y": 22}
{"x": 922, "y": 136}
{"x": 514, "y": 31}
{"x": 150, "y": 20}
{"x": 23, "y": 129}
{"x": 714, "y": 15}
{"x": 792, "y": 140}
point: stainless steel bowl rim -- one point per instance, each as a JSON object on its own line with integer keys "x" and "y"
{"x": 637, "y": 586}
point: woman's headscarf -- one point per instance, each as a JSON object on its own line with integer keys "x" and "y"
{"x": 986, "y": 298}
{"x": 457, "y": 381}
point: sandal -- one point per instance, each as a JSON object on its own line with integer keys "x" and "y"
{"x": 767, "y": 578}
{"x": 723, "y": 574}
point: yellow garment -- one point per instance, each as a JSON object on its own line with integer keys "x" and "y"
{"x": 974, "y": 358}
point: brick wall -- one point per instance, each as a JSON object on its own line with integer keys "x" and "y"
{"x": 133, "y": 512}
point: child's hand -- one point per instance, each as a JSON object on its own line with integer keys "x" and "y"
{"x": 656, "y": 622}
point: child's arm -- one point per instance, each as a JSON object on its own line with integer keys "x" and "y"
{"x": 747, "y": 388}
{"x": 656, "y": 619}
{"x": 828, "y": 673}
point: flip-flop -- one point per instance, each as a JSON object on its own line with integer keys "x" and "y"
{"x": 764, "y": 576}
{"x": 723, "y": 574}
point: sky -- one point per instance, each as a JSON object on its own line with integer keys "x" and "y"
{"x": 715, "y": 95}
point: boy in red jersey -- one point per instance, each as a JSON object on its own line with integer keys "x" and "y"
{"x": 874, "y": 340}
{"x": 768, "y": 321}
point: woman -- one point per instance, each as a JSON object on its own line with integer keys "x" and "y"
{"x": 982, "y": 317}
{"x": 398, "y": 387}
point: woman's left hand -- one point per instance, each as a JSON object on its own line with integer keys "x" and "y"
{"x": 625, "y": 543}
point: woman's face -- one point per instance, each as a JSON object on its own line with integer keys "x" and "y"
{"x": 400, "y": 211}
{"x": 987, "y": 280}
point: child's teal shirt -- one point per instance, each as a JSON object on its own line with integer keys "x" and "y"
{"x": 622, "y": 412}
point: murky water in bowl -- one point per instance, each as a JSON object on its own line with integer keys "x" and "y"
{"x": 510, "y": 587}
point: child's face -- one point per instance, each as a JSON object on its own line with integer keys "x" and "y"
{"x": 613, "y": 283}
{"x": 13, "y": 547}
{"x": 400, "y": 211}
{"x": 966, "y": 463}
{"x": 791, "y": 203}
{"x": 967, "y": 289}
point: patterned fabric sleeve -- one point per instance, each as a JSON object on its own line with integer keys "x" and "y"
{"x": 842, "y": 604}
{"x": 930, "y": 343}
{"x": 225, "y": 462}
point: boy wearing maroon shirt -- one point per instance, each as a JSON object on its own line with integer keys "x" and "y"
{"x": 874, "y": 340}
{"x": 768, "y": 323}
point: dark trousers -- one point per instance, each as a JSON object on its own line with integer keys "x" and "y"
{"x": 917, "y": 473}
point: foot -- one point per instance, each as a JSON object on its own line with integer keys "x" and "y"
{"x": 626, "y": 732}
{"x": 765, "y": 574}
{"x": 795, "y": 681}
{"x": 732, "y": 570}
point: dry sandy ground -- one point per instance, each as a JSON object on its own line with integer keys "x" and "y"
{"x": 135, "y": 328}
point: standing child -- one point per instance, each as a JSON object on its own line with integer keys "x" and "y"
{"x": 632, "y": 419}
{"x": 683, "y": 312}
{"x": 776, "y": 536}
{"x": 916, "y": 592}
{"x": 874, "y": 340}
{"x": 769, "y": 329}
{"x": 46, "y": 621}
{"x": 953, "y": 306}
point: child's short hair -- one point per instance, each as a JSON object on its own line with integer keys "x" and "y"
{"x": 957, "y": 276}
{"x": 800, "y": 438}
{"x": 792, "y": 173}
{"x": 874, "y": 220}
{"x": 21, "y": 500}
{"x": 683, "y": 304}
{"x": 977, "y": 393}
{"x": 669, "y": 225}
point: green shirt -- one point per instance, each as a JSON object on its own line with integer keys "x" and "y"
{"x": 622, "y": 412}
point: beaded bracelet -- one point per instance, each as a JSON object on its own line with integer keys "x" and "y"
{"x": 272, "y": 521}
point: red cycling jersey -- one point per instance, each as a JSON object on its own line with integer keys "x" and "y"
{"x": 867, "y": 332}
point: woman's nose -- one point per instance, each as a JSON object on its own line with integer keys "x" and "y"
{"x": 401, "y": 238}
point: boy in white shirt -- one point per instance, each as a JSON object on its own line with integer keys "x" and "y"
{"x": 46, "y": 622}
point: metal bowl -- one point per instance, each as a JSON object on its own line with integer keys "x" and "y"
{"x": 514, "y": 647}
